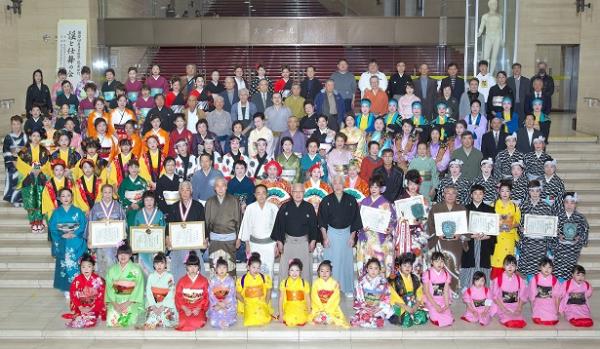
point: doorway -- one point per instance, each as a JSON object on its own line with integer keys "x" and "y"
{"x": 563, "y": 66}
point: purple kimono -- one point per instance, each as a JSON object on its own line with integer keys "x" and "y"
{"x": 222, "y": 310}
{"x": 477, "y": 126}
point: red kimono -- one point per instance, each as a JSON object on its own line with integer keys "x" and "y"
{"x": 86, "y": 293}
{"x": 192, "y": 294}
{"x": 176, "y": 136}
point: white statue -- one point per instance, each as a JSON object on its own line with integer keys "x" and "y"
{"x": 491, "y": 23}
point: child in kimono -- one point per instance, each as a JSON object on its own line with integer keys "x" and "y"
{"x": 125, "y": 292}
{"x": 372, "y": 298}
{"x": 191, "y": 296}
{"x": 222, "y": 311}
{"x": 478, "y": 298}
{"x": 436, "y": 285}
{"x": 407, "y": 293}
{"x": 575, "y": 301}
{"x": 325, "y": 298}
{"x": 160, "y": 296}
{"x": 87, "y": 296}
{"x": 294, "y": 296}
{"x": 509, "y": 292}
{"x": 254, "y": 294}
{"x": 544, "y": 295}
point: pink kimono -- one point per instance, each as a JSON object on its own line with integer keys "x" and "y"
{"x": 544, "y": 293}
{"x": 510, "y": 290}
{"x": 575, "y": 303}
{"x": 479, "y": 298}
{"x": 435, "y": 286}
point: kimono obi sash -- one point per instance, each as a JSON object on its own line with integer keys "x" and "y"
{"x": 288, "y": 174}
{"x": 425, "y": 175}
{"x": 437, "y": 289}
{"x": 479, "y": 303}
{"x": 372, "y": 297}
{"x": 87, "y": 296}
{"x": 510, "y": 297}
{"x": 294, "y": 295}
{"x": 192, "y": 295}
{"x": 324, "y": 295}
{"x": 221, "y": 293}
{"x": 123, "y": 287}
{"x": 254, "y": 292}
{"x": 159, "y": 293}
{"x": 109, "y": 95}
{"x": 262, "y": 241}
{"x": 132, "y": 96}
{"x": 104, "y": 152}
{"x": 576, "y": 298}
{"x": 171, "y": 197}
{"x": 155, "y": 90}
{"x": 134, "y": 195}
{"x": 544, "y": 292}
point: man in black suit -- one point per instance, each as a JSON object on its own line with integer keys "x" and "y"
{"x": 426, "y": 90}
{"x": 520, "y": 87}
{"x": 538, "y": 92}
{"x": 310, "y": 86}
{"x": 547, "y": 80}
{"x": 262, "y": 98}
{"x": 452, "y": 80}
{"x": 230, "y": 95}
{"x": 526, "y": 135}
{"x": 493, "y": 141}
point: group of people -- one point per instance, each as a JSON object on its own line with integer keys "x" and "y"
{"x": 288, "y": 171}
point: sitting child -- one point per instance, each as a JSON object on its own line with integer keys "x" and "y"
{"x": 478, "y": 298}
{"x": 160, "y": 296}
{"x": 575, "y": 302}
{"x": 544, "y": 295}
{"x": 87, "y": 296}
{"x": 191, "y": 296}
{"x": 372, "y": 298}
{"x": 222, "y": 311}
{"x": 510, "y": 293}
{"x": 436, "y": 285}
{"x": 407, "y": 293}
{"x": 254, "y": 294}
{"x": 294, "y": 296}
{"x": 325, "y": 298}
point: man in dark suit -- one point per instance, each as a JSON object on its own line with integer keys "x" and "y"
{"x": 526, "y": 135}
{"x": 238, "y": 79}
{"x": 452, "y": 80}
{"x": 426, "y": 90}
{"x": 230, "y": 95}
{"x": 493, "y": 141}
{"x": 262, "y": 98}
{"x": 538, "y": 92}
{"x": 547, "y": 80}
{"x": 520, "y": 87}
{"x": 310, "y": 86}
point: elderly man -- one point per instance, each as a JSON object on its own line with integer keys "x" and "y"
{"x": 456, "y": 83}
{"x": 339, "y": 221}
{"x": 193, "y": 113}
{"x": 277, "y": 115}
{"x": 296, "y": 135}
{"x": 330, "y": 103}
{"x": 377, "y": 96}
{"x": 520, "y": 86}
{"x": 365, "y": 78}
{"x": 451, "y": 247}
{"x": 398, "y": 81}
{"x": 469, "y": 155}
{"x": 223, "y": 218}
{"x": 296, "y": 102}
{"x": 262, "y": 98}
{"x": 219, "y": 120}
{"x": 230, "y": 95}
{"x": 426, "y": 90}
{"x": 547, "y": 80}
{"x": 256, "y": 229}
{"x": 204, "y": 179}
{"x": 240, "y": 83}
{"x": 296, "y": 233}
{"x": 243, "y": 110}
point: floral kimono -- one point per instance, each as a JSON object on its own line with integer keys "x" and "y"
{"x": 124, "y": 284}
{"x": 87, "y": 293}
{"x": 222, "y": 310}
{"x": 325, "y": 303}
{"x": 160, "y": 294}
{"x": 372, "y": 302}
{"x": 409, "y": 291}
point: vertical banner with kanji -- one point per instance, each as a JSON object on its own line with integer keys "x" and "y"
{"x": 71, "y": 48}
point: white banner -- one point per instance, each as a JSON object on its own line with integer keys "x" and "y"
{"x": 71, "y": 48}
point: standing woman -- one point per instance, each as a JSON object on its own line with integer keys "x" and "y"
{"x": 339, "y": 156}
{"x": 131, "y": 190}
{"x": 87, "y": 187}
{"x": 175, "y": 99}
{"x": 67, "y": 227}
{"x": 107, "y": 209}
{"x": 120, "y": 115}
{"x": 158, "y": 84}
{"x": 355, "y": 137}
{"x": 50, "y": 195}
{"x": 573, "y": 232}
{"x": 148, "y": 216}
{"x": 12, "y": 145}
{"x": 98, "y": 112}
{"x": 186, "y": 210}
{"x": 152, "y": 162}
{"x": 38, "y": 93}
{"x": 167, "y": 187}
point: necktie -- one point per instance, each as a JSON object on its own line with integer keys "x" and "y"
{"x": 496, "y": 138}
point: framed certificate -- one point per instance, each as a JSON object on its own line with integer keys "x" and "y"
{"x": 540, "y": 226}
{"x": 412, "y": 208}
{"x": 448, "y": 224}
{"x": 376, "y": 219}
{"x": 106, "y": 233}
{"x": 484, "y": 222}
{"x": 147, "y": 239}
{"x": 186, "y": 235}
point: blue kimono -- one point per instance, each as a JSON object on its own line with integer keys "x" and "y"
{"x": 67, "y": 251}
{"x": 146, "y": 260}
{"x": 306, "y": 163}
{"x": 511, "y": 126}
{"x": 370, "y": 126}
{"x": 243, "y": 190}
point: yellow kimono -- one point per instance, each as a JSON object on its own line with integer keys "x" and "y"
{"x": 356, "y": 142}
{"x": 253, "y": 290}
{"x": 50, "y": 195}
{"x": 92, "y": 188}
{"x": 24, "y": 168}
{"x": 156, "y": 164}
{"x": 408, "y": 285}
{"x": 294, "y": 293}
{"x": 325, "y": 303}
{"x": 506, "y": 241}
{"x": 114, "y": 174}
{"x": 102, "y": 174}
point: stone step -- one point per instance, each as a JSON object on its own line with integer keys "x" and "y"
{"x": 578, "y": 164}
{"x": 579, "y": 175}
{"x": 26, "y": 279}
{"x": 26, "y": 263}
{"x": 21, "y": 248}
{"x": 579, "y": 156}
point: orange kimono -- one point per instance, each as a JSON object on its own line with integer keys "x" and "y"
{"x": 358, "y": 188}
{"x": 91, "y": 130}
{"x": 163, "y": 139}
{"x": 136, "y": 144}
{"x": 86, "y": 192}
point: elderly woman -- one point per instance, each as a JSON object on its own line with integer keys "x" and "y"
{"x": 243, "y": 110}
{"x": 339, "y": 156}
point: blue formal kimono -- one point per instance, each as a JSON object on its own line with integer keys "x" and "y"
{"x": 67, "y": 251}
{"x": 306, "y": 163}
{"x": 243, "y": 190}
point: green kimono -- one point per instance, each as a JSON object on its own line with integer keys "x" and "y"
{"x": 127, "y": 188}
{"x": 291, "y": 168}
{"x": 122, "y": 285}
{"x": 429, "y": 174}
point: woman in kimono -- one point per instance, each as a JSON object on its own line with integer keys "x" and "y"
{"x": 294, "y": 296}
{"x": 575, "y": 302}
{"x": 444, "y": 122}
{"x": 372, "y": 244}
{"x": 107, "y": 209}
{"x": 381, "y": 134}
{"x": 156, "y": 131}
{"x": 131, "y": 190}
{"x": 407, "y": 293}
{"x": 175, "y": 99}
{"x": 454, "y": 178}
{"x": 339, "y": 156}
{"x": 542, "y": 120}
{"x": 353, "y": 184}
{"x": 392, "y": 117}
{"x": 544, "y": 295}
{"x": 118, "y": 167}
{"x": 109, "y": 144}
{"x": 437, "y": 291}
{"x": 185, "y": 163}
{"x": 405, "y": 145}
{"x": 148, "y": 216}
{"x": 49, "y": 130}
{"x": 167, "y": 187}
{"x": 509, "y": 292}
{"x": 290, "y": 163}
{"x": 478, "y": 299}
{"x": 33, "y": 153}
{"x": 278, "y": 190}
{"x": 519, "y": 182}
{"x": 160, "y": 296}
{"x": 372, "y": 299}
{"x": 50, "y": 194}
{"x": 185, "y": 210}
{"x": 67, "y": 228}
{"x": 505, "y": 158}
{"x": 509, "y": 118}
{"x": 120, "y": 115}
{"x": 86, "y": 296}
{"x": 87, "y": 187}
{"x": 532, "y": 248}
{"x": 191, "y": 296}
{"x": 426, "y": 166}
{"x": 222, "y": 310}
{"x": 124, "y": 291}
{"x": 256, "y": 166}
{"x": 178, "y": 133}
{"x": 510, "y": 218}
{"x": 487, "y": 181}
{"x": 573, "y": 233}
{"x": 476, "y": 123}
{"x": 98, "y": 113}
{"x": 439, "y": 151}
{"x": 535, "y": 160}
{"x": 420, "y": 122}
{"x": 364, "y": 119}
{"x": 407, "y": 100}
{"x": 325, "y": 299}
{"x": 70, "y": 156}
{"x": 157, "y": 83}
{"x": 311, "y": 157}
{"x": 553, "y": 187}
{"x": 12, "y": 145}
{"x": 354, "y": 141}
{"x": 315, "y": 189}
{"x": 90, "y": 147}
{"x": 152, "y": 162}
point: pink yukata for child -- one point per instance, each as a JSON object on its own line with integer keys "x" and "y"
{"x": 575, "y": 303}
{"x": 510, "y": 290}
{"x": 480, "y": 298}
{"x": 436, "y": 281}
{"x": 544, "y": 293}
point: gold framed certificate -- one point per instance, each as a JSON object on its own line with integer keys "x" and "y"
{"x": 106, "y": 233}
{"x": 539, "y": 226}
{"x": 147, "y": 239}
{"x": 187, "y": 235}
